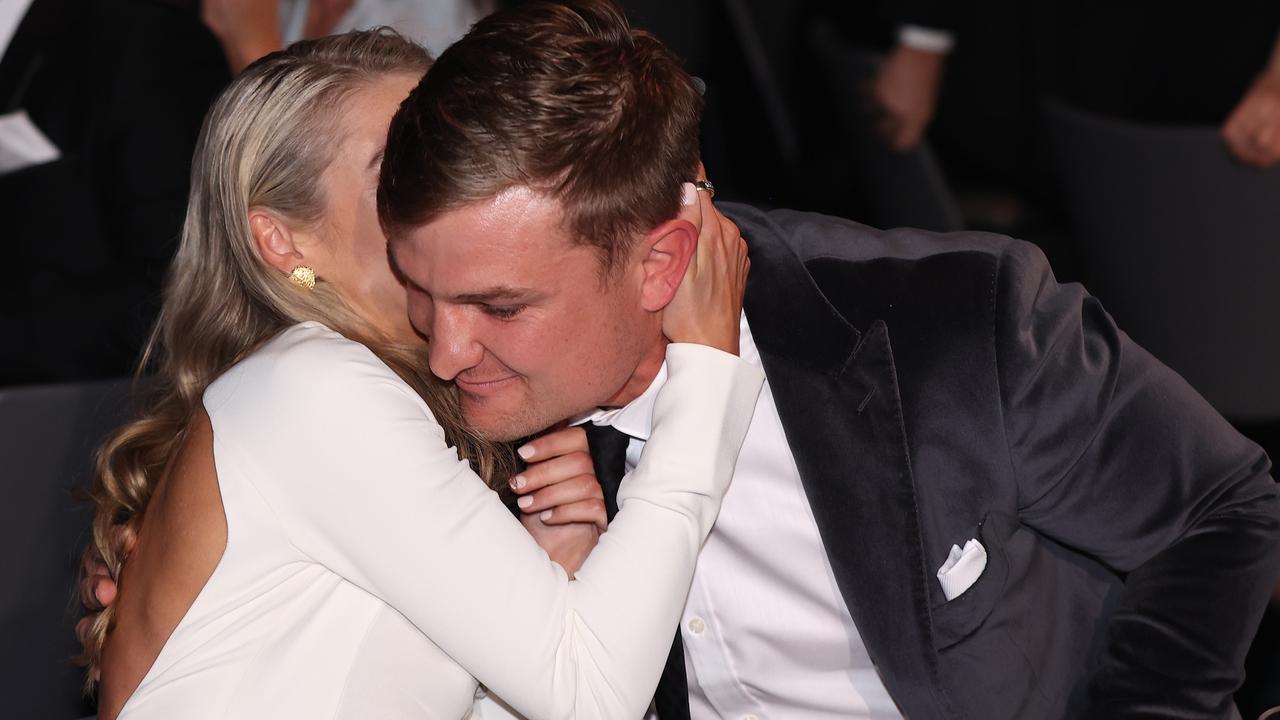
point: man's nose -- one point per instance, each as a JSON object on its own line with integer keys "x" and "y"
{"x": 454, "y": 347}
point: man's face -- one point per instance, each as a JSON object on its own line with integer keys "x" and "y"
{"x": 520, "y": 318}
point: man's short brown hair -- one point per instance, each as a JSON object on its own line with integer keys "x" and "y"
{"x": 563, "y": 97}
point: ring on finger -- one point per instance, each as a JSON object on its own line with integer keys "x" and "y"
{"x": 704, "y": 186}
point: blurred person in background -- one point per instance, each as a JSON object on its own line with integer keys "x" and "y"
{"x": 917, "y": 36}
{"x": 769, "y": 128}
{"x": 249, "y": 29}
{"x": 100, "y": 105}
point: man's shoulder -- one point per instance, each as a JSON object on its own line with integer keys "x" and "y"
{"x": 813, "y": 236}
{"x": 924, "y": 284}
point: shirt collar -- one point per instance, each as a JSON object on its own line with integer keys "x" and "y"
{"x": 636, "y": 417}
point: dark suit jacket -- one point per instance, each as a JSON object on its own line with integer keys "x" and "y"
{"x": 121, "y": 88}
{"x": 938, "y": 388}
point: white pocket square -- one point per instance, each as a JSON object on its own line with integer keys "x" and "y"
{"x": 962, "y": 568}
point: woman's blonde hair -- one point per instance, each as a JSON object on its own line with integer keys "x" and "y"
{"x": 265, "y": 144}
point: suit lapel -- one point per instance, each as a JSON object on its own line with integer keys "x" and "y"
{"x": 836, "y": 391}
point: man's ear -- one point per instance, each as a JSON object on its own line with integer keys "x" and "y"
{"x": 668, "y": 250}
{"x": 274, "y": 240}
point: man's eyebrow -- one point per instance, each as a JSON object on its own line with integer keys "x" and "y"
{"x": 497, "y": 292}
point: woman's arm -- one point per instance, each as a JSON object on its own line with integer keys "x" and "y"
{"x": 359, "y": 473}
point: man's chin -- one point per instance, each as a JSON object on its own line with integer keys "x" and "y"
{"x": 498, "y": 426}
{"x": 503, "y": 434}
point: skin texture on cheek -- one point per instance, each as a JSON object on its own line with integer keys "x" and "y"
{"x": 567, "y": 365}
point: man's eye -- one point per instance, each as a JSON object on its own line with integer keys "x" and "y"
{"x": 503, "y": 312}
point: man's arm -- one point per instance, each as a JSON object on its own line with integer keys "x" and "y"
{"x": 907, "y": 85}
{"x": 1118, "y": 458}
{"x": 250, "y": 29}
{"x": 114, "y": 204}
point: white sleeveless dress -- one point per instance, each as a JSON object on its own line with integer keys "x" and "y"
{"x": 370, "y": 574}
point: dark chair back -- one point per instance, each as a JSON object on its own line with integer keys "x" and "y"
{"x": 1182, "y": 245}
{"x": 47, "y": 437}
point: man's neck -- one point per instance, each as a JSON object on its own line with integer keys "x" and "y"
{"x": 643, "y": 375}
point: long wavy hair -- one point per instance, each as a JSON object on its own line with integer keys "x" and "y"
{"x": 265, "y": 143}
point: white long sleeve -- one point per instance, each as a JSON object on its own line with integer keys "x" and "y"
{"x": 358, "y": 473}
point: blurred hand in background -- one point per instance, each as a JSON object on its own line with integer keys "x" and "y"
{"x": 906, "y": 93}
{"x": 1252, "y": 131}
{"x": 249, "y": 29}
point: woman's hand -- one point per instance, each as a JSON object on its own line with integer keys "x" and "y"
{"x": 560, "y": 500}
{"x": 97, "y": 591}
{"x": 97, "y": 587}
{"x": 708, "y": 305}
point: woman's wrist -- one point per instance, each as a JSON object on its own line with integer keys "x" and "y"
{"x": 713, "y": 332}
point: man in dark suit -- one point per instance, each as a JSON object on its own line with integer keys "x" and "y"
{"x": 965, "y": 492}
{"x": 763, "y": 85}
{"x": 119, "y": 89}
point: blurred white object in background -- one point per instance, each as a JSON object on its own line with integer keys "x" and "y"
{"x": 435, "y": 24}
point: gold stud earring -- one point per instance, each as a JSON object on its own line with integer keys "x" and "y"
{"x": 303, "y": 276}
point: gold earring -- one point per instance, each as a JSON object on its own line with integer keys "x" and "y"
{"x": 303, "y": 276}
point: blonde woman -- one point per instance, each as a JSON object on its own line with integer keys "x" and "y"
{"x": 311, "y": 540}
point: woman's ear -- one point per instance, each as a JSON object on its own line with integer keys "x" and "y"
{"x": 274, "y": 241}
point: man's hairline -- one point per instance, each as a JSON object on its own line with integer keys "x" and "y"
{"x": 607, "y": 270}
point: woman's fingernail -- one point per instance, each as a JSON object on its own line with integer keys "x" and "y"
{"x": 518, "y": 482}
{"x": 545, "y": 515}
{"x": 688, "y": 194}
{"x": 525, "y": 451}
{"x": 525, "y": 501}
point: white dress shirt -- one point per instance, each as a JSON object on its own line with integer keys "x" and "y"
{"x": 766, "y": 632}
